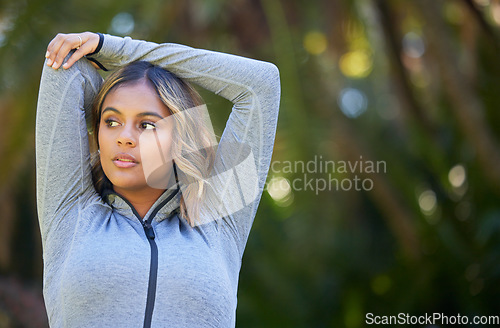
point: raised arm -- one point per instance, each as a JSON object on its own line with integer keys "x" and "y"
{"x": 254, "y": 89}
{"x": 64, "y": 180}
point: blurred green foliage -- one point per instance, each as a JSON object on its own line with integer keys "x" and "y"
{"x": 412, "y": 84}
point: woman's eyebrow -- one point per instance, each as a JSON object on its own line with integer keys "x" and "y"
{"x": 111, "y": 109}
{"x": 150, "y": 114}
{"x": 138, "y": 115}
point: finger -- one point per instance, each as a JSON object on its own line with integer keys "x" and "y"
{"x": 50, "y": 46}
{"x": 53, "y": 48}
{"x": 69, "y": 43}
{"x": 84, "y": 49}
{"x": 73, "y": 59}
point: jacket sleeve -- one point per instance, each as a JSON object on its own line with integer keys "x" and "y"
{"x": 63, "y": 174}
{"x": 245, "y": 149}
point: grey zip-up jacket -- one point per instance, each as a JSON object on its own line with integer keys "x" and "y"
{"x": 103, "y": 265}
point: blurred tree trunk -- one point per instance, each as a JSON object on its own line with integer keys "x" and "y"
{"x": 478, "y": 16}
{"x": 399, "y": 74}
{"x": 292, "y": 99}
{"x": 466, "y": 105}
{"x": 397, "y": 216}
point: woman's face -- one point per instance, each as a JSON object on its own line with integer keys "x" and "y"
{"x": 133, "y": 117}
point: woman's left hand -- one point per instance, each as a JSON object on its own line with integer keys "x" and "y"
{"x": 62, "y": 44}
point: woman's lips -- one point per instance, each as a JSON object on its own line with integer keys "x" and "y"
{"x": 124, "y": 160}
{"x": 124, "y": 163}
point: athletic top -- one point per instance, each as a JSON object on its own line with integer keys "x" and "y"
{"x": 104, "y": 266}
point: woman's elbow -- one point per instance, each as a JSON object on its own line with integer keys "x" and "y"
{"x": 273, "y": 75}
{"x": 271, "y": 79}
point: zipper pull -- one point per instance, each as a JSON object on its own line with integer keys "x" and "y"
{"x": 148, "y": 229}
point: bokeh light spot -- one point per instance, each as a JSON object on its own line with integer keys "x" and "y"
{"x": 315, "y": 43}
{"x": 352, "y": 102}
{"x": 122, "y": 24}
{"x": 356, "y": 64}
{"x": 457, "y": 176}
{"x": 413, "y": 45}
{"x": 427, "y": 202}
{"x": 280, "y": 191}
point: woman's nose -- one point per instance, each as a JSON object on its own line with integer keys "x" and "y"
{"x": 126, "y": 137}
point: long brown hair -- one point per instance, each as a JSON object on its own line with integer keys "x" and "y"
{"x": 191, "y": 148}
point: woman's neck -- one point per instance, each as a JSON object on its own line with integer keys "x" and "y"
{"x": 141, "y": 200}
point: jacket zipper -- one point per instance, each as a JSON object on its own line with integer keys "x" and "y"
{"x": 153, "y": 273}
{"x": 153, "y": 266}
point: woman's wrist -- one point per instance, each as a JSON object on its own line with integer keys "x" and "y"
{"x": 99, "y": 45}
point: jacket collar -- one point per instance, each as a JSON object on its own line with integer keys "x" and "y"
{"x": 165, "y": 206}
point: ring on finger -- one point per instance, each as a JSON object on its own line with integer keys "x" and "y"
{"x": 80, "y": 42}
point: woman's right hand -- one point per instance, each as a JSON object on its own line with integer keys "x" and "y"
{"x": 62, "y": 44}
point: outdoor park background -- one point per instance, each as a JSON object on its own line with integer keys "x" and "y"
{"x": 415, "y": 84}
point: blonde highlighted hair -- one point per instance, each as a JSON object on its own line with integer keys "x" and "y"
{"x": 192, "y": 147}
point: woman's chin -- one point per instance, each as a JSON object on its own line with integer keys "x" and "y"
{"x": 129, "y": 184}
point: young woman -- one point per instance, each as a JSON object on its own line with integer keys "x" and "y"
{"x": 150, "y": 230}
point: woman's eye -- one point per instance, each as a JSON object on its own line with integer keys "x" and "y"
{"x": 148, "y": 126}
{"x": 111, "y": 123}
